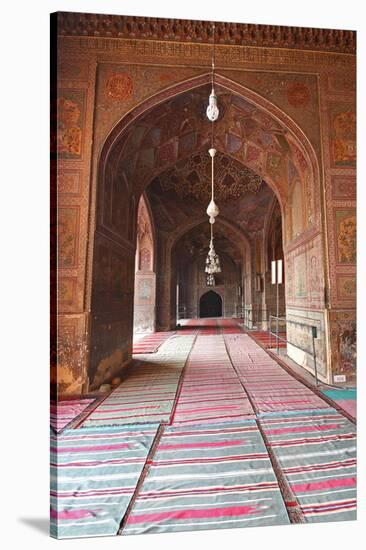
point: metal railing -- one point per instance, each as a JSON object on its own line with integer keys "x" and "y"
{"x": 253, "y": 317}
{"x": 278, "y": 338}
{"x": 184, "y": 312}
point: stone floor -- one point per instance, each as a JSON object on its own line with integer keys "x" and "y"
{"x": 209, "y": 431}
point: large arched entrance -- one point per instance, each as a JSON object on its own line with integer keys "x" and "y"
{"x": 210, "y": 304}
{"x": 150, "y": 142}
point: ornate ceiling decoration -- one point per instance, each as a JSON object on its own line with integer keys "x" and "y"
{"x": 183, "y": 30}
{"x": 194, "y": 243}
{"x": 191, "y": 178}
{"x": 170, "y": 211}
{"x": 178, "y": 128}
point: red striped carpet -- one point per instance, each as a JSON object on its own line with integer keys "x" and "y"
{"x": 151, "y": 342}
{"x": 211, "y": 326}
{"x": 229, "y": 326}
{"x": 94, "y": 473}
{"x": 64, "y": 412}
{"x": 201, "y": 326}
{"x": 270, "y": 387}
{"x": 211, "y": 390}
{"x": 262, "y": 337}
{"x": 208, "y": 466}
{"x": 148, "y": 392}
{"x": 213, "y": 477}
{"x": 317, "y": 453}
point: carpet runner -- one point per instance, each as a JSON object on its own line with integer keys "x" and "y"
{"x": 151, "y": 342}
{"x": 213, "y": 477}
{"x": 148, "y": 393}
{"x": 64, "y": 412}
{"x": 207, "y": 327}
{"x": 229, "y": 326}
{"x": 210, "y": 326}
{"x": 270, "y": 387}
{"x": 317, "y": 454}
{"x": 211, "y": 391}
{"x": 94, "y": 473}
{"x": 268, "y": 341}
{"x": 210, "y": 469}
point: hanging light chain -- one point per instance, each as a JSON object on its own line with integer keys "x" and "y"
{"x": 212, "y": 174}
{"x": 212, "y": 109}
{"x": 212, "y": 261}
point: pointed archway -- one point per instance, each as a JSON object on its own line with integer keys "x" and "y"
{"x": 210, "y": 304}
{"x": 144, "y": 144}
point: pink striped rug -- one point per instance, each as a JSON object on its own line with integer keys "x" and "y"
{"x": 148, "y": 392}
{"x": 268, "y": 341}
{"x": 270, "y": 387}
{"x": 229, "y": 326}
{"x": 151, "y": 343}
{"x": 207, "y": 477}
{"x": 317, "y": 453}
{"x": 94, "y": 473}
{"x": 201, "y": 326}
{"x": 211, "y": 391}
{"x": 64, "y": 412}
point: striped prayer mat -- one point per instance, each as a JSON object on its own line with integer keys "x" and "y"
{"x": 270, "y": 387}
{"x": 208, "y": 478}
{"x": 148, "y": 393}
{"x": 346, "y": 399}
{"x": 210, "y": 326}
{"x": 207, "y": 327}
{"x": 185, "y": 326}
{"x": 187, "y": 330}
{"x": 94, "y": 473}
{"x": 264, "y": 338}
{"x": 317, "y": 454}
{"x": 229, "y": 326}
{"x": 151, "y": 342}
{"x": 228, "y": 321}
{"x": 231, "y": 330}
{"x": 209, "y": 331}
{"x": 64, "y": 412}
{"x": 205, "y": 322}
{"x": 211, "y": 391}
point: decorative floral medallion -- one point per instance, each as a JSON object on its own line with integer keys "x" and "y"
{"x": 119, "y": 86}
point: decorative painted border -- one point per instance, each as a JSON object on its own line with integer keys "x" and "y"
{"x": 69, "y": 182}
{"x": 245, "y": 34}
{"x": 335, "y": 244}
{"x": 343, "y": 187}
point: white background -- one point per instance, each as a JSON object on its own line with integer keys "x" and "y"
{"x": 24, "y": 234}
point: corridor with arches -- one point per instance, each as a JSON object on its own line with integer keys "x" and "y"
{"x": 203, "y": 368}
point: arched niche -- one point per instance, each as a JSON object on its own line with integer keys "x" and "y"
{"x": 145, "y": 277}
{"x": 143, "y": 144}
{"x": 274, "y": 250}
{"x": 210, "y": 304}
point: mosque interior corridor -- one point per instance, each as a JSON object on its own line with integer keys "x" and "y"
{"x": 203, "y": 302}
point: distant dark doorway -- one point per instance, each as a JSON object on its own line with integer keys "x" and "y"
{"x": 211, "y": 304}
